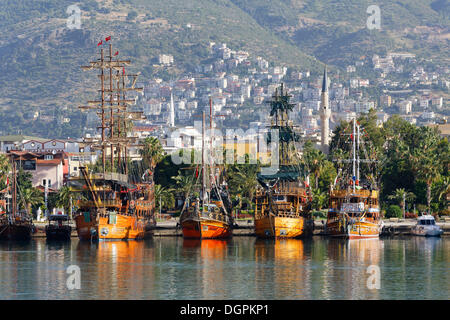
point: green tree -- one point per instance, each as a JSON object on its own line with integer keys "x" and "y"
{"x": 319, "y": 198}
{"x": 393, "y": 211}
{"x": 183, "y": 183}
{"x": 29, "y": 198}
{"x": 64, "y": 199}
{"x": 152, "y": 152}
{"x": 242, "y": 182}
{"x": 164, "y": 197}
{"x": 5, "y": 168}
{"x": 24, "y": 179}
{"x": 400, "y": 195}
{"x": 425, "y": 159}
{"x": 313, "y": 161}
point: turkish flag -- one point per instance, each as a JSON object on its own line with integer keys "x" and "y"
{"x": 108, "y": 38}
{"x": 117, "y": 52}
{"x": 100, "y": 43}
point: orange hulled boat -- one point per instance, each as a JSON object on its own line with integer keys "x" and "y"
{"x": 111, "y": 208}
{"x": 206, "y": 215}
{"x": 282, "y": 203}
{"x": 114, "y": 204}
{"x": 354, "y": 211}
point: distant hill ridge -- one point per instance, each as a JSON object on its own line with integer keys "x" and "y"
{"x": 40, "y": 57}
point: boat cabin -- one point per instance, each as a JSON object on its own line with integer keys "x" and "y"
{"x": 426, "y": 220}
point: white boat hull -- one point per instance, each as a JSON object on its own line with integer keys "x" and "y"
{"x": 427, "y": 231}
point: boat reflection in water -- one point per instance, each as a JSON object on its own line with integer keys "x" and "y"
{"x": 283, "y": 266}
{"x": 352, "y": 263}
{"x": 122, "y": 272}
{"x": 210, "y": 274}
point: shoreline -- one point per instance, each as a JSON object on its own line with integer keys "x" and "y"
{"x": 246, "y": 229}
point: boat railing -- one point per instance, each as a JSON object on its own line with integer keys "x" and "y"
{"x": 144, "y": 203}
{"x": 218, "y": 216}
{"x": 288, "y": 214}
{"x": 103, "y": 203}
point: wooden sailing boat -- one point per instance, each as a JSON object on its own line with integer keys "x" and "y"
{"x": 282, "y": 204}
{"x": 207, "y": 216}
{"x": 110, "y": 206}
{"x": 354, "y": 211}
{"x": 14, "y": 224}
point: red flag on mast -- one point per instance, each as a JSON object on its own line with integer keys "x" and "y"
{"x": 100, "y": 43}
{"x": 117, "y": 52}
{"x": 108, "y": 38}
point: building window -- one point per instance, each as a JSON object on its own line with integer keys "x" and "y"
{"x": 48, "y": 157}
{"x": 29, "y": 165}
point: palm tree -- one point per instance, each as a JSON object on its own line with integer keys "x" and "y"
{"x": 443, "y": 188}
{"x": 5, "y": 168}
{"x": 242, "y": 181}
{"x": 183, "y": 183}
{"x": 64, "y": 198}
{"x": 152, "y": 152}
{"x": 164, "y": 197}
{"x": 29, "y": 198}
{"x": 313, "y": 160}
{"x": 425, "y": 158}
{"x": 319, "y": 198}
{"x": 401, "y": 196}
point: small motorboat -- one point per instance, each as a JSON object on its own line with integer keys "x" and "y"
{"x": 58, "y": 227}
{"x": 426, "y": 226}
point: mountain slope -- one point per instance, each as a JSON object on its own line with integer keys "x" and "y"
{"x": 40, "y": 57}
{"x": 335, "y": 31}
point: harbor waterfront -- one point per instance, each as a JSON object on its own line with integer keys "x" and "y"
{"x": 238, "y": 268}
{"x": 246, "y": 228}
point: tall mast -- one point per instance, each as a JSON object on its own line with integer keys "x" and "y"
{"x": 124, "y": 122}
{"x": 119, "y": 135}
{"x": 111, "y": 119}
{"x": 116, "y": 119}
{"x": 102, "y": 77}
{"x": 354, "y": 155}
{"x": 203, "y": 160}
{"x": 211, "y": 173}
{"x": 357, "y": 153}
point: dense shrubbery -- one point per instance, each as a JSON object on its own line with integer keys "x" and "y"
{"x": 394, "y": 211}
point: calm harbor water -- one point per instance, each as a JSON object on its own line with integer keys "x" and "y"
{"x": 241, "y": 268}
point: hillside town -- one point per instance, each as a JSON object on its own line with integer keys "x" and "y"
{"x": 239, "y": 85}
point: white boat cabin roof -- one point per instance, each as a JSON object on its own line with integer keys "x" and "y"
{"x": 426, "y": 217}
